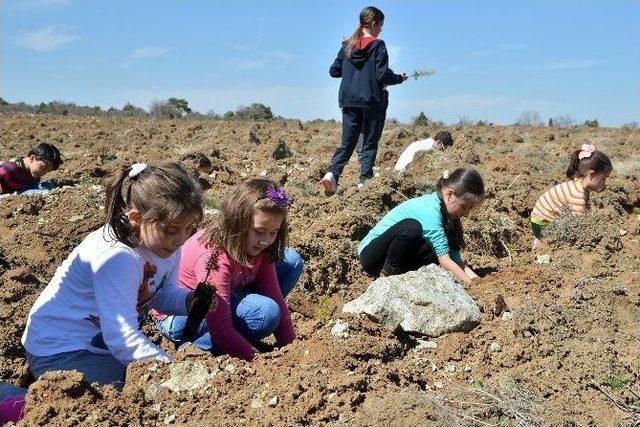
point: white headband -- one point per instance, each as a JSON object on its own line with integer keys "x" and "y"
{"x": 136, "y": 169}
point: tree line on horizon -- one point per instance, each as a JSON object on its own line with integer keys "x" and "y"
{"x": 177, "y": 108}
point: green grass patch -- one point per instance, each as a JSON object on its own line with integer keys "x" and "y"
{"x": 616, "y": 382}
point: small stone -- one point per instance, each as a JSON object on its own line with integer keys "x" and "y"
{"x": 467, "y": 368}
{"x": 527, "y": 334}
{"x": 495, "y": 347}
{"x": 450, "y": 368}
{"x": 623, "y": 232}
{"x": 256, "y": 404}
{"x": 434, "y": 367}
{"x": 438, "y": 385}
{"x": 263, "y": 173}
{"x": 426, "y": 345}
{"x": 307, "y": 352}
{"x": 169, "y": 419}
{"x": 76, "y": 218}
{"x": 543, "y": 259}
{"x": 156, "y": 407}
{"x": 230, "y": 368}
{"x": 340, "y": 329}
{"x": 506, "y": 315}
{"x": 273, "y": 401}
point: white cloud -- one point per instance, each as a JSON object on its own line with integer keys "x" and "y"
{"x": 50, "y": 2}
{"x": 251, "y": 64}
{"x": 572, "y": 65}
{"x": 149, "y": 52}
{"x": 45, "y": 40}
{"x": 456, "y": 102}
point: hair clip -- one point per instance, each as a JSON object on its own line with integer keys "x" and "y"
{"x": 136, "y": 169}
{"x": 278, "y": 196}
{"x": 586, "y": 151}
{"x": 445, "y": 174}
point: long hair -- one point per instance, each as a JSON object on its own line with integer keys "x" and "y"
{"x": 235, "y": 219}
{"x": 368, "y": 16}
{"x": 597, "y": 162}
{"x": 160, "y": 193}
{"x": 466, "y": 184}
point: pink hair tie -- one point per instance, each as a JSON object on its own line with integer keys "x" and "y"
{"x": 586, "y": 151}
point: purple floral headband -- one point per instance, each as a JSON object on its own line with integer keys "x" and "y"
{"x": 278, "y": 196}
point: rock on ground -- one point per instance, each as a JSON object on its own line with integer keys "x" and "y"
{"x": 426, "y": 301}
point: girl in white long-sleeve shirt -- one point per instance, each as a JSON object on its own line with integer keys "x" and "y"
{"x": 88, "y": 316}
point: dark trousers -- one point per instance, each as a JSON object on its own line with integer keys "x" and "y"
{"x": 354, "y": 122}
{"x": 381, "y": 122}
{"x": 400, "y": 249}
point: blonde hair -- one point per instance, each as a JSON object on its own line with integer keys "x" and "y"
{"x": 235, "y": 219}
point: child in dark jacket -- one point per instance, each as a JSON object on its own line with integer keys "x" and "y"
{"x": 363, "y": 65}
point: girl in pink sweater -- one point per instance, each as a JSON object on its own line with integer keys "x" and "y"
{"x": 243, "y": 255}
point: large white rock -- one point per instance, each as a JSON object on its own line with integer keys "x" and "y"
{"x": 427, "y": 301}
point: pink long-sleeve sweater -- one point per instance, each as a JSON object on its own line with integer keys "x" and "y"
{"x": 231, "y": 276}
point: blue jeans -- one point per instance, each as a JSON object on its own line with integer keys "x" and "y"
{"x": 255, "y": 316}
{"x": 42, "y": 188}
{"x": 100, "y": 368}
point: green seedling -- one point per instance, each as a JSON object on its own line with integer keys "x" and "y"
{"x": 422, "y": 73}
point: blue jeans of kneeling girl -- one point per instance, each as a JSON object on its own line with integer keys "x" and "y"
{"x": 255, "y": 316}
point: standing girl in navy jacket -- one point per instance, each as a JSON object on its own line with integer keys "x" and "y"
{"x": 363, "y": 64}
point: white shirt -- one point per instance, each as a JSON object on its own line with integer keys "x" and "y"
{"x": 407, "y": 155}
{"x": 95, "y": 290}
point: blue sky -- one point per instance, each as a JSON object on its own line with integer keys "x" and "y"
{"x": 493, "y": 59}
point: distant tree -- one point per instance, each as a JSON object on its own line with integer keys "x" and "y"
{"x": 180, "y": 104}
{"x": 562, "y": 121}
{"x": 164, "y": 110}
{"x": 464, "y": 121}
{"x": 630, "y": 125}
{"x": 130, "y": 110}
{"x": 550, "y": 124}
{"x": 228, "y": 115}
{"x": 593, "y": 123}
{"x": 421, "y": 119}
{"x": 212, "y": 114}
{"x": 255, "y": 111}
{"x": 529, "y": 118}
{"x": 3, "y": 102}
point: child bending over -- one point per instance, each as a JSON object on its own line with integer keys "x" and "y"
{"x": 425, "y": 230}
{"x": 588, "y": 171}
{"x": 244, "y": 256}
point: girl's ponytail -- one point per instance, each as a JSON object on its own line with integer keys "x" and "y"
{"x": 574, "y": 165}
{"x": 452, "y": 227}
{"x": 368, "y": 16}
{"x": 466, "y": 184}
{"x": 116, "y": 193}
{"x": 587, "y": 158}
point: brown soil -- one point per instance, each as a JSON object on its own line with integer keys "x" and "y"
{"x": 572, "y": 323}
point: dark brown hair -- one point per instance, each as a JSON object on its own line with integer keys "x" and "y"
{"x": 444, "y": 137}
{"x": 48, "y": 153}
{"x": 235, "y": 219}
{"x": 469, "y": 186}
{"x": 161, "y": 193}
{"x": 368, "y": 16}
{"x": 597, "y": 162}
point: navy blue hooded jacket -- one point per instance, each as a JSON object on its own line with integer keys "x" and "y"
{"x": 363, "y": 75}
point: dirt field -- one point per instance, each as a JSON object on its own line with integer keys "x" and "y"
{"x": 567, "y": 330}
